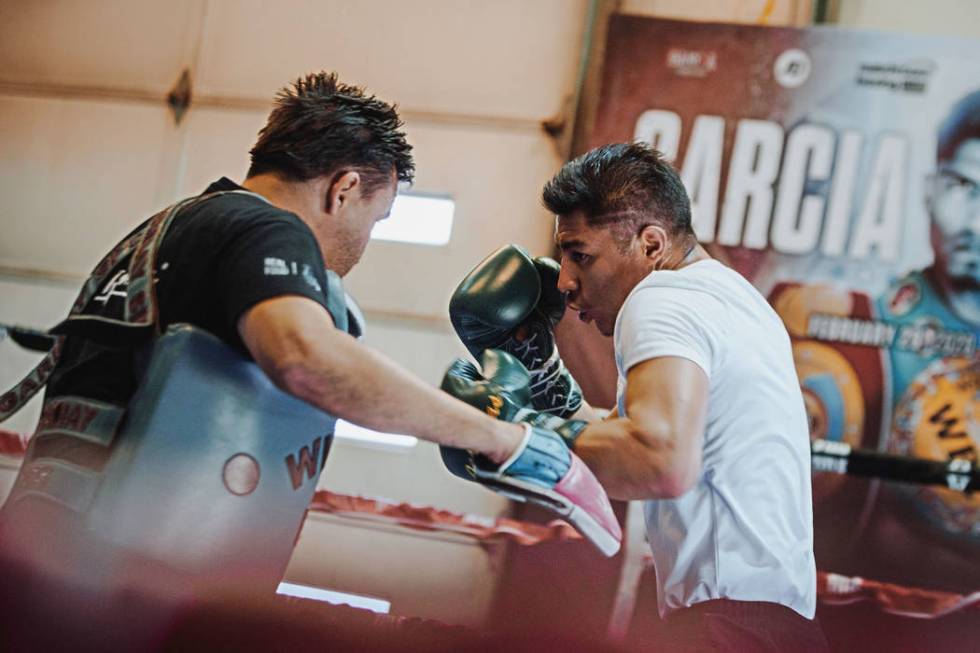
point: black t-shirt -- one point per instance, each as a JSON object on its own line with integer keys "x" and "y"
{"x": 226, "y": 254}
{"x": 219, "y": 257}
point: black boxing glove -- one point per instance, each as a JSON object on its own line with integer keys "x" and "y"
{"x": 511, "y": 302}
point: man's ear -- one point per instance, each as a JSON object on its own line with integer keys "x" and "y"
{"x": 340, "y": 189}
{"x": 654, "y": 241}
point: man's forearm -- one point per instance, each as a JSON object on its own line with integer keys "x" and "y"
{"x": 633, "y": 464}
{"x": 356, "y": 383}
{"x": 293, "y": 343}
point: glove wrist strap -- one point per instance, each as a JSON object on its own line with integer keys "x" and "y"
{"x": 519, "y": 451}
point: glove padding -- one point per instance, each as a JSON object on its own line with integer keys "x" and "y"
{"x": 503, "y": 390}
{"x": 511, "y": 302}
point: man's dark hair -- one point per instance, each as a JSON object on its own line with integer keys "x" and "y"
{"x": 962, "y": 124}
{"x": 320, "y": 125}
{"x": 628, "y": 185}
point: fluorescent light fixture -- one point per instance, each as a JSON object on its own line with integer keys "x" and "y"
{"x": 375, "y": 439}
{"x": 419, "y": 219}
{"x": 336, "y": 598}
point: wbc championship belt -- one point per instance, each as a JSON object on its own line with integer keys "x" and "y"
{"x": 938, "y": 418}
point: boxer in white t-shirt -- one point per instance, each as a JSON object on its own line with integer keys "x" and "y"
{"x": 710, "y": 430}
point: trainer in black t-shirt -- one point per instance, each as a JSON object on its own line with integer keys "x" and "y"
{"x": 226, "y": 254}
{"x": 219, "y": 257}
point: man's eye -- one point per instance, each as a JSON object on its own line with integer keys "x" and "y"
{"x": 959, "y": 182}
{"x": 579, "y": 257}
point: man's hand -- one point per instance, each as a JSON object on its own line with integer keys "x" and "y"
{"x": 511, "y": 302}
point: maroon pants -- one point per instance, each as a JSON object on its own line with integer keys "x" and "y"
{"x": 722, "y": 625}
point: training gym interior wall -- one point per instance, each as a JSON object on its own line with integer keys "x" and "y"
{"x": 89, "y": 147}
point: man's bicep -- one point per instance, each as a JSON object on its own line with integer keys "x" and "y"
{"x": 668, "y": 397}
{"x": 268, "y": 259}
{"x": 282, "y": 329}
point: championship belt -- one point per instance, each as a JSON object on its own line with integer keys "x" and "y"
{"x": 938, "y": 418}
{"x": 833, "y": 399}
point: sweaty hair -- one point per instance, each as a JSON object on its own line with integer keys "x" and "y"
{"x": 320, "y": 125}
{"x": 962, "y": 124}
{"x": 624, "y": 185}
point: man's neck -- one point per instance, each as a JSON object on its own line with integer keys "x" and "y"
{"x": 298, "y": 198}
{"x": 692, "y": 252}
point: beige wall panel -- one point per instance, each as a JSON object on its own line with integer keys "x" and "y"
{"x": 780, "y": 12}
{"x": 34, "y": 304}
{"x": 75, "y": 175}
{"x": 424, "y": 348}
{"x": 508, "y": 58}
{"x": 423, "y": 575}
{"x": 496, "y": 179}
{"x": 217, "y": 144}
{"x": 132, "y": 44}
{"x": 948, "y": 17}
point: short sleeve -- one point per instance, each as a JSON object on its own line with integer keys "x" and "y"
{"x": 268, "y": 258}
{"x": 663, "y": 321}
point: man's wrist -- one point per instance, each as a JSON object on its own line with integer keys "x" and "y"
{"x": 526, "y": 432}
{"x": 511, "y": 438}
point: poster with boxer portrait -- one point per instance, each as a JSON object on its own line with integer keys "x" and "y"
{"x": 839, "y": 171}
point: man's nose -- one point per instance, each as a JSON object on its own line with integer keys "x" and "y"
{"x": 566, "y": 280}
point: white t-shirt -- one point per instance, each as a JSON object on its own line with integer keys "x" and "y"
{"x": 745, "y": 530}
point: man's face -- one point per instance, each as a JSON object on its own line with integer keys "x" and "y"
{"x": 955, "y": 208}
{"x": 356, "y": 220}
{"x": 596, "y": 272}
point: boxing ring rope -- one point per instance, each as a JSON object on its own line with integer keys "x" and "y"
{"x": 957, "y": 474}
{"x": 427, "y": 518}
{"x": 832, "y": 589}
{"x": 13, "y": 444}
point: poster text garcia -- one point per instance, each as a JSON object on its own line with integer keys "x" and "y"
{"x": 768, "y": 201}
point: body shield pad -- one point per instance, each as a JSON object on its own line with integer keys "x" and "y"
{"x": 214, "y": 467}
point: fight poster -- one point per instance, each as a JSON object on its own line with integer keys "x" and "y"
{"x": 839, "y": 171}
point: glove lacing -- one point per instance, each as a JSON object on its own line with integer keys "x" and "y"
{"x": 550, "y": 392}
